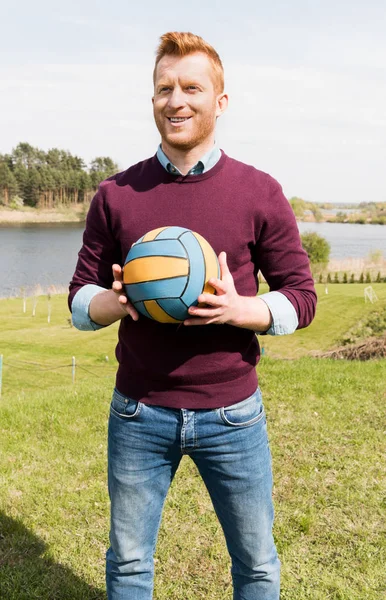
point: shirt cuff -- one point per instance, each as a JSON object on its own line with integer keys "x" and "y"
{"x": 284, "y": 316}
{"x": 80, "y": 307}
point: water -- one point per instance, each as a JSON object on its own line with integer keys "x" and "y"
{"x": 46, "y": 254}
{"x": 38, "y": 255}
{"x": 349, "y": 239}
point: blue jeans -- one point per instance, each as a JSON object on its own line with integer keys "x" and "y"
{"x": 230, "y": 448}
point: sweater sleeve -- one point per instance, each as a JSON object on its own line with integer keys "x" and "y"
{"x": 281, "y": 257}
{"x": 99, "y": 250}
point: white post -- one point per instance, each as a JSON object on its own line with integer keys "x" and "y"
{"x": 49, "y": 308}
{"x": 24, "y": 300}
{"x": 73, "y": 369}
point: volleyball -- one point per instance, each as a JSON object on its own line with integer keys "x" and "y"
{"x": 166, "y": 270}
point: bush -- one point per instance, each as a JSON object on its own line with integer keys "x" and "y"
{"x": 317, "y": 248}
{"x": 328, "y": 278}
{"x": 361, "y": 278}
{"x": 336, "y": 278}
{"x": 344, "y": 277}
{"x": 368, "y": 278}
{"x": 352, "y": 278}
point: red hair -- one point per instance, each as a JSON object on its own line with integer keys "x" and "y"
{"x": 183, "y": 43}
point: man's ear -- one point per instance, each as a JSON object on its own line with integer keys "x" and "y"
{"x": 222, "y": 104}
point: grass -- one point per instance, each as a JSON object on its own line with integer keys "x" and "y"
{"x": 327, "y": 435}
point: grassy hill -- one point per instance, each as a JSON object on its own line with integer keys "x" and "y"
{"x": 327, "y": 434}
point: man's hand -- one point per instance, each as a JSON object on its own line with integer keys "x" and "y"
{"x": 227, "y": 306}
{"x": 118, "y": 289}
{"x": 112, "y": 305}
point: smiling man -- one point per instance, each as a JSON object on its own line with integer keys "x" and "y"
{"x": 192, "y": 389}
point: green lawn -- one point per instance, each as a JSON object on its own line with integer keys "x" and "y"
{"x": 327, "y": 433}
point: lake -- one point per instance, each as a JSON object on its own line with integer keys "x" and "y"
{"x": 45, "y": 254}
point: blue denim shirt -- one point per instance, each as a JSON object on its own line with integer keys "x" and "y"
{"x": 284, "y": 316}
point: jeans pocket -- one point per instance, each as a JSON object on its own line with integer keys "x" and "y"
{"x": 244, "y": 413}
{"x": 124, "y": 407}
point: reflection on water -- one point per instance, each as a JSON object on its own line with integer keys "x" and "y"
{"x": 45, "y": 254}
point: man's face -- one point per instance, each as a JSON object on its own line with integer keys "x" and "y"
{"x": 185, "y": 102}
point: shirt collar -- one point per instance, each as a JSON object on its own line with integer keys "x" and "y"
{"x": 205, "y": 163}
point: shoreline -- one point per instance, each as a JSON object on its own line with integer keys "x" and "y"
{"x": 10, "y": 216}
{"x": 77, "y": 214}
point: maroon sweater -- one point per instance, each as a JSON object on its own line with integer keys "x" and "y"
{"x": 237, "y": 209}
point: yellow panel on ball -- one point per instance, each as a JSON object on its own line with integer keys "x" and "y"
{"x": 150, "y": 235}
{"x": 211, "y": 263}
{"x": 157, "y": 313}
{"x": 152, "y": 268}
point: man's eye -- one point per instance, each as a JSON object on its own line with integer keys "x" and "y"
{"x": 192, "y": 87}
{"x": 164, "y": 89}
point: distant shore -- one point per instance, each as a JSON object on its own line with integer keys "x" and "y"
{"x": 77, "y": 214}
{"x": 10, "y": 216}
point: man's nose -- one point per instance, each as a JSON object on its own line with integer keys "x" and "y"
{"x": 176, "y": 98}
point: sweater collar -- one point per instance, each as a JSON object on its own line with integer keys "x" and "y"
{"x": 206, "y": 162}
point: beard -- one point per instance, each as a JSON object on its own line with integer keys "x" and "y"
{"x": 185, "y": 141}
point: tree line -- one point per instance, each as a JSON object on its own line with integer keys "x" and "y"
{"x": 56, "y": 178}
{"x": 365, "y": 212}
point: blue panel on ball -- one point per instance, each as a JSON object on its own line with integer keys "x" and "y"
{"x": 153, "y": 290}
{"x": 175, "y": 308}
{"x": 196, "y": 269}
{"x": 171, "y": 232}
{"x": 154, "y": 248}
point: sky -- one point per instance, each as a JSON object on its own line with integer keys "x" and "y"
{"x": 306, "y": 81}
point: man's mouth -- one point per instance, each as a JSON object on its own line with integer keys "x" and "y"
{"x": 178, "y": 119}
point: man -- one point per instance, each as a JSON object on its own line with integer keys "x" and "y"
{"x": 192, "y": 389}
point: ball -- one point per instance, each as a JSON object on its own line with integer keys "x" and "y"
{"x": 166, "y": 270}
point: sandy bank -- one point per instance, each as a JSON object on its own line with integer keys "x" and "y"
{"x": 34, "y": 215}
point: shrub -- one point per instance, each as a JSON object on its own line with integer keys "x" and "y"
{"x": 336, "y": 278}
{"x": 317, "y": 248}
{"x": 352, "y": 278}
{"x": 345, "y": 277}
{"x": 368, "y": 278}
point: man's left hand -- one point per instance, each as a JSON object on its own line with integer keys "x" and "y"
{"x": 224, "y": 307}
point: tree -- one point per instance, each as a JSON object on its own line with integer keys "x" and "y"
{"x": 317, "y": 248}
{"x": 298, "y": 206}
{"x": 8, "y": 183}
{"x": 50, "y": 179}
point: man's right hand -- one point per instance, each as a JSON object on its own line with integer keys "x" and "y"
{"x": 112, "y": 305}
